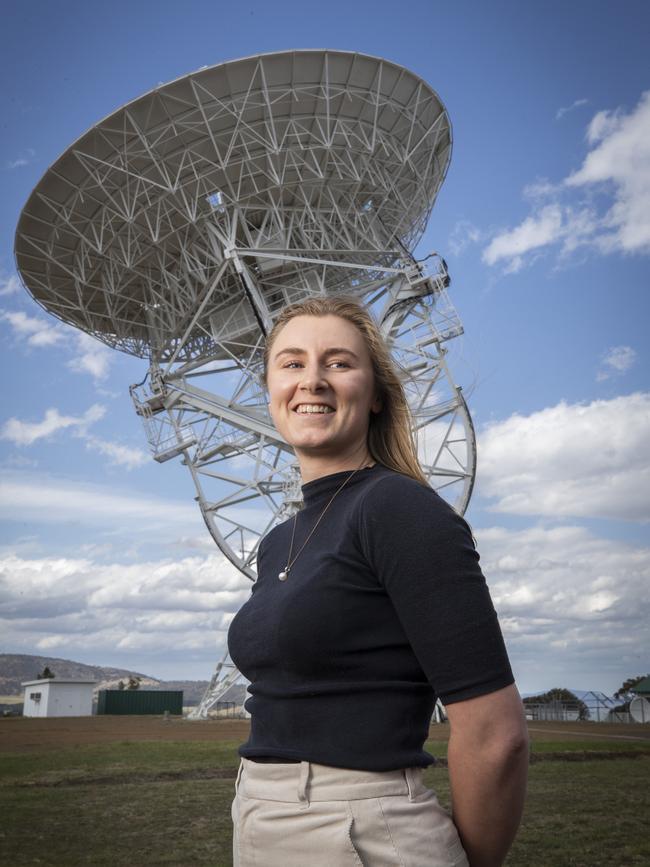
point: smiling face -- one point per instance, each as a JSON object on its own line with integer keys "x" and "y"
{"x": 321, "y": 392}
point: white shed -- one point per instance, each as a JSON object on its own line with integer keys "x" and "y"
{"x": 58, "y": 697}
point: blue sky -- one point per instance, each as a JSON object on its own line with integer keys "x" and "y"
{"x": 544, "y": 220}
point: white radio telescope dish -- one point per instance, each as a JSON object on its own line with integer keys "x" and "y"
{"x": 640, "y": 709}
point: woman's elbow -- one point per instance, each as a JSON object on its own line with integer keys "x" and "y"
{"x": 495, "y": 721}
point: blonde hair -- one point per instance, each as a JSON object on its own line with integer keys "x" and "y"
{"x": 391, "y": 440}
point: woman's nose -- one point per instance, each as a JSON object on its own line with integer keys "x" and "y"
{"x": 313, "y": 377}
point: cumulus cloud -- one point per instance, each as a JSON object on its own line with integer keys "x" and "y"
{"x": 616, "y": 166}
{"x": 615, "y": 362}
{"x": 570, "y": 604}
{"x": 35, "y": 331}
{"x": 541, "y": 189}
{"x": 80, "y": 606}
{"x": 93, "y": 357}
{"x": 535, "y": 231}
{"x": 90, "y": 356}
{"x": 9, "y": 285}
{"x": 566, "y": 109}
{"x": 602, "y": 125}
{"x": 571, "y": 460}
{"x": 551, "y": 224}
{"x": 24, "y": 433}
{"x": 117, "y": 453}
{"x": 621, "y": 159}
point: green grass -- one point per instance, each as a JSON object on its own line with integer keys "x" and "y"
{"x": 439, "y": 748}
{"x": 122, "y": 760}
{"x": 592, "y": 813}
{"x": 591, "y": 744}
{"x": 89, "y": 806}
{"x": 180, "y": 823}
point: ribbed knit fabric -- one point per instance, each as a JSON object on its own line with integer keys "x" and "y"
{"x": 384, "y": 609}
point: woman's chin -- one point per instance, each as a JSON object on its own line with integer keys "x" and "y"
{"x": 309, "y": 444}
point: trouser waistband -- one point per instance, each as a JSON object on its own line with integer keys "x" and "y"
{"x": 273, "y": 760}
{"x": 308, "y": 781}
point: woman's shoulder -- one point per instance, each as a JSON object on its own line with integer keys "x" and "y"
{"x": 276, "y": 532}
{"x": 389, "y": 488}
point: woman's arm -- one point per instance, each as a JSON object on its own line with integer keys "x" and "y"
{"x": 488, "y": 767}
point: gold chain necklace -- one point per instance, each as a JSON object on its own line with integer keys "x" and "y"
{"x": 285, "y": 572}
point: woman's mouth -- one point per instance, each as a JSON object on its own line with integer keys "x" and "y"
{"x": 313, "y": 409}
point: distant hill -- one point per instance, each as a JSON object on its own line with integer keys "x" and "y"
{"x": 15, "y": 668}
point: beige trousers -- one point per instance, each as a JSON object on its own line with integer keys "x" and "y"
{"x": 310, "y": 815}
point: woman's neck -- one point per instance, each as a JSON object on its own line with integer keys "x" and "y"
{"x": 315, "y": 469}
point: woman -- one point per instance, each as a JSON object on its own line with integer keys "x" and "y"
{"x": 369, "y": 603}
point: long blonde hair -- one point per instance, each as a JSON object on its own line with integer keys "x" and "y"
{"x": 391, "y": 440}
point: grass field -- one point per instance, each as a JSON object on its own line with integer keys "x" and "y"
{"x": 140, "y": 791}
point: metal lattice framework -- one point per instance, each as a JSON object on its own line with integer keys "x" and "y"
{"x": 179, "y": 226}
{"x": 148, "y": 216}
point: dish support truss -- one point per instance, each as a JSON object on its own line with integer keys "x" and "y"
{"x": 246, "y": 475}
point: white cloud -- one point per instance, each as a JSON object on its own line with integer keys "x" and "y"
{"x": 574, "y": 608}
{"x": 566, "y": 109}
{"x": 621, "y": 158}
{"x": 9, "y": 285}
{"x": 119, "y": 454}
{"x": 462, "y": 235}
{"x": 78, "y": 605}
{"x": 91, "y": 356}
{"x": 549, "y": 225}
{"x": 16, "y": 461}
{"x": 52, "y": 501}
{"x": 127, "y": 516}
{"x": 615, "y": 362}
{"x": 602, "y": 125}
{"x": 94, "y": 357}
{"x": 24, "y": 159}
{"x": 37, "y": 332}
{"x": 537, "y": 231}
{"x": 618, "y": 166}
{"x": 580, "y": 460}
{"x": 24, "y": 433}
{"x": 540, "y": 189}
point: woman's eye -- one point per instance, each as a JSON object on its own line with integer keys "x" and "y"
{"x": 290, "y": 364}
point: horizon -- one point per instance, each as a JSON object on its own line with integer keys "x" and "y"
{"x": 54, "y": 659}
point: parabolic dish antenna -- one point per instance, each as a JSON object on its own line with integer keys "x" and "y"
{"x": 640, "y": 709}
{"x": 178, "y": 227}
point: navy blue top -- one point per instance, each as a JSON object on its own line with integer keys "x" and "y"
{"x": 384, "y": 609}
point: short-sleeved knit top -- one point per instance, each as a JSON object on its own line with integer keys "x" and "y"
{"x": 384, "y": 609}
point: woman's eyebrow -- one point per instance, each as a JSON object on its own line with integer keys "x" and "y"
{"x": 334, "y": 350}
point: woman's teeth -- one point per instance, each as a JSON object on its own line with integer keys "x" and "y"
{"x": 313, "y": 409}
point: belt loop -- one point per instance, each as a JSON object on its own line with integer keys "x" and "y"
{"x": 239, "y": 773}
{"x": 302, "y": 784}
{"x": 410, "y": 782}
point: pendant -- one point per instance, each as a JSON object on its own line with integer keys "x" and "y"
{"x": 283, "y": 575}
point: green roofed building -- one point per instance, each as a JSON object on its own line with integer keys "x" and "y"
{"x": 643, "y": 687}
